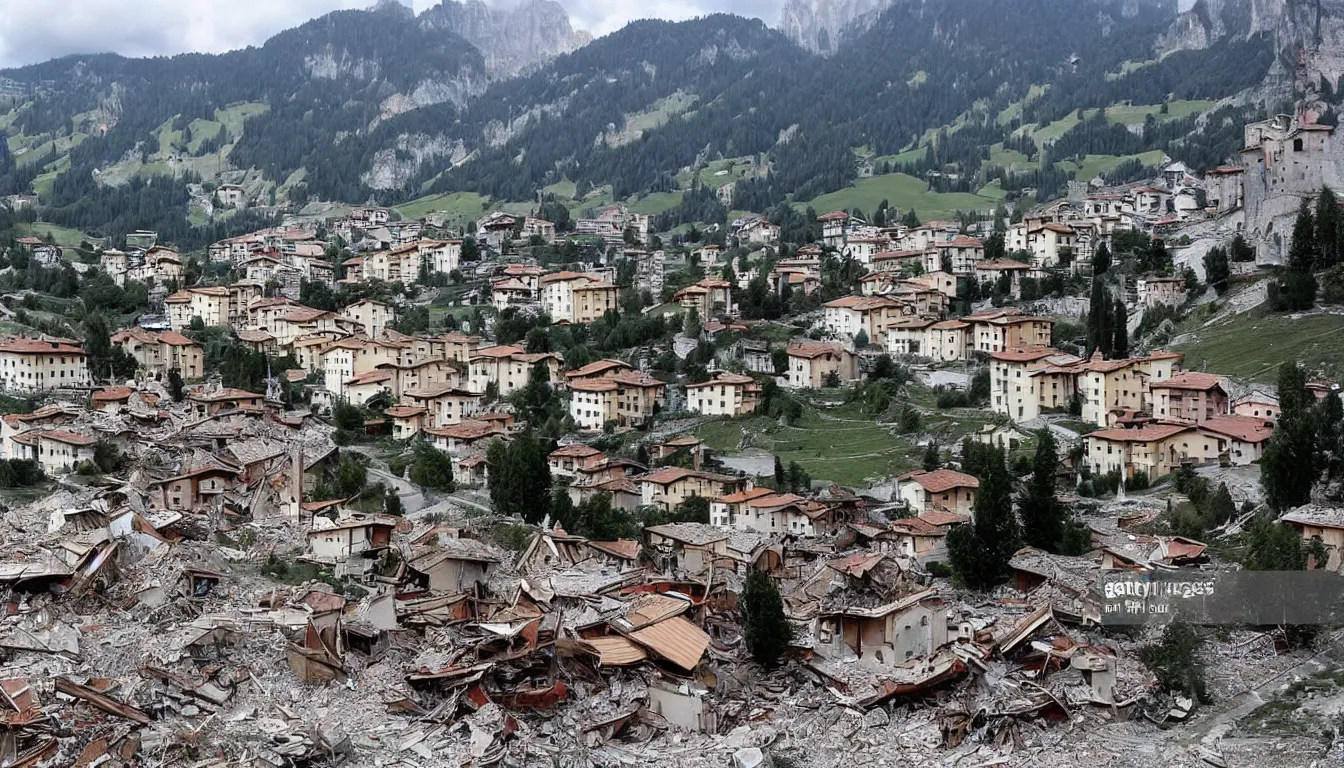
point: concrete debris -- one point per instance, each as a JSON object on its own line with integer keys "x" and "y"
{"x": 200, "y": 612}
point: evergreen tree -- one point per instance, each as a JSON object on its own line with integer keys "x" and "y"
{"x": 1288, "y": 467}
{"x": 563, "y": 510}
{"x": 979, "y": 551}
{"x": 1043, "y": 517}
{"x": 1120, "y": 348}
{"x": 520, "y": 478}
{"x": 1217, "y": 269}
{"x": 642, "y": 455}
{"x": 1221, "y": 507}
{"x": 175, "y": 385}
{"x": 1101, "y": 260}
{"x": 691, "y": 323}
{"x": 1100, "y": 335}
{"x": 392, "y": 505}
{"x": 1304, "y": 251}
{"x": 932, "y": 460}
{"x": 780, "y": 477}
{"x": 994, "y": 247}
{"x": 431, "y": 468}
{"x": 1175, "y": 661}
{"x": 1327, "y": 229}
{"x": 764, "y": 628}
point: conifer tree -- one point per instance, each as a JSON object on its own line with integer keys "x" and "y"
{"x": 765, "y": 629}
{"x": 1042, "y": 515}
{"x": 979, "y": 551}
{"x": 1120, "y": 348}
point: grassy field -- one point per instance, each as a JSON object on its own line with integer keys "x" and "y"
{"x": 462, "y": 205}
{"x": 657, "y": 115}
{"x": 67, "y": 238}
{"x": 656, "y": 202}
{"x": 837, "y": 443}
{"x": 1095, "y": 165}
{"x": 904, "y": 192}
{"x": 233, "y": 116}
{"x": 1176, "y": 110}
{"x": 1251, "y": 346}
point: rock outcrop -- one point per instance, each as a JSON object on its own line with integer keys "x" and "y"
{"x": 512, "y": 40}
{"x": 821, "y": 25}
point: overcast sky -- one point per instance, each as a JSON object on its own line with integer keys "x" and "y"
{"x": 37, "y": 30}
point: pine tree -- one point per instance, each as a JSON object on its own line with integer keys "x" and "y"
{"x": 1217, "y": 269}
{"x": 1101, "y": 260}
{"x": 1100, "y": 335}
{"x": 764, "y": 627}
{"x": 1042, "y": 514}
{"x": 979, "y": 551}
{"x": 780, "y": 476}
{"x": 1327, "y": 229}
{"x": 175, "y": 386}
{"x": 1120, "y": 348}
{"x": 1221, "y": 507}
{"x": 932, "y": 460}
{"x": 1304, "y": 250}
{"x": 1288, "y": 467}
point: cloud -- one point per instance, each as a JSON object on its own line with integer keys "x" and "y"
{"x": 32, "y": 31}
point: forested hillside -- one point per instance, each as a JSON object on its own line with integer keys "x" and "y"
{"x": 360, "y": 105}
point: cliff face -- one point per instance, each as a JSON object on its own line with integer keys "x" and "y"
{"x": 821, "y": 25}
{"x": 512, "y": 40}
{"x": 1313, "y": 27}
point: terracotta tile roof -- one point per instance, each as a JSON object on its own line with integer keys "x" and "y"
{"x": 775, "y": 500}
{"x": 467, "y": 430}
{"x": 915, "y": 525}
{"x": 943, "y": 518}
{"x": 69, "y": 438}
{"x": 502, "y": 350}
{"x": 112, "y": 394}
{"x": 812, "y": 349}
{"x": 741, "y": 496}
{"x": 675, "y": 639}
{"x": 940, "y": 480}
{"x": 622, "y": 548}
{"x": 1024, "y": 355}
{"x": 1192, "y": 380}
{"x": 1000, "y": 265}
{"x": 1247, "y": 429}
{"x": 369, "y": 377}
{"x": 1145, "y": 434}
{"x": 577, "y": 450}
{"x": 37, "y": 346}
{"x": 405, "y": 411}
{"x": 605, "y": 384}
{"x": 734, "y": 379}
{"x": 175, "y": 339}
{"x": 223, "y": 395}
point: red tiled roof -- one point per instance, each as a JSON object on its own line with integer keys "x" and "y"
{"x": 811, "y": 349}
{"x": 1024, "y": 355}
{"x": 111, "y": 394}
{"x": 405, "y": 411}
{"x": 577, "y": 450}
{"x": 741, "y": 496}
{"x": 1145, "y": 434}
{"x": 941, "y": 517}
{"x": 1247, "y": 429}
{"x": 1192, "y": 380}
{"x": 69, "y": 438}
{"x": 36, "y": 346}
{"x": 940, "y": 479}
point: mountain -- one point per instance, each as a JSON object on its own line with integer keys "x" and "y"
{"x": 820, "y": 26}
{"x": 1308, "y": 37}
{"x": 512, "y": 40}
{"x": 980, "y": 97}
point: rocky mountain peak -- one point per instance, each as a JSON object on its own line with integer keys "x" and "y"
{"x": 820, "y": 25}
{"x": 512, "y": 40}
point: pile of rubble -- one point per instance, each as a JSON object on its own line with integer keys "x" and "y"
{"x": 200, "y": 613}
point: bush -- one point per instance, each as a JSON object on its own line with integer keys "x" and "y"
{"x": 1137, "y": 482}
{"x": 1175, "y": 661}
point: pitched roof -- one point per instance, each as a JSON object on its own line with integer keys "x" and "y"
{"x": 37, "y": 346}
{"x": 1000, "y": 265}
{"x": 675, "y": 639}
{"x": 697, "y": 534}
{"x": 1145, "y": 434}
{"x": 577, "y": 450}
{"x": 405, "y": 411}
{"x": 811, "y": 349}
{"x": 940, "y": 480}
{"x": 466, "y": 430}
{"x": 69, "y": 438}
{"x": 1192, "y": 380}
{"x": 1247, "y": 429}
{"x": 111, "y": 394}
{"x": 741, "y": 496}
{"x": 1027, "y": 355}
